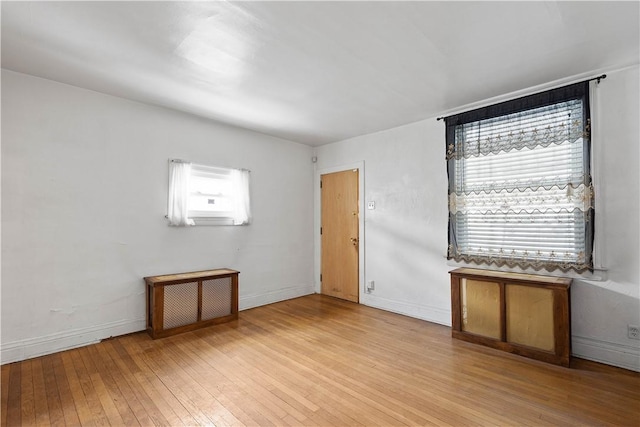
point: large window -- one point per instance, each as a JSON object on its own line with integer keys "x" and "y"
{"x": 520, "y": 191}
{"x": 201, "y": 194}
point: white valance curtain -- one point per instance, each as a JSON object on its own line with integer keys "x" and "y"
{"x": 178, "y": 209}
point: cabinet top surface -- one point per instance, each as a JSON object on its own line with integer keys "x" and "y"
{"x": 190, "y": 275}
{"x": 505, "y": 275}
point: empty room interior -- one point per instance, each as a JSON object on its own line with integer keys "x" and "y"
{"x": 320, "y": 213}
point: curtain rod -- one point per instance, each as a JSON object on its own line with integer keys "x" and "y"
{"x": 206, "y": 166}
{"x": 601, "y": 77}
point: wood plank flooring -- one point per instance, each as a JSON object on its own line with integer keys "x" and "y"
{"x": 314, "y": 361}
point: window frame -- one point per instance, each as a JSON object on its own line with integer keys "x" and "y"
{"x": 211, "y": 172}
{"x": 576, "y": 91}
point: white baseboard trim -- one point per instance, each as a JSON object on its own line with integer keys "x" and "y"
{"x": 425, "y": 312}
{"x": 256, "y": 300}
{"x": 34, "y": 347}
{"x": 620, "y": 355}
{"x": 623, "y": 356}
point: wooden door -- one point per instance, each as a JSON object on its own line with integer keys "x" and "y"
{"x": 340, "y": 238}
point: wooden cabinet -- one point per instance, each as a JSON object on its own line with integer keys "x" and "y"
{"x": 520, "y": 313}
{"x": 183, "y": 302}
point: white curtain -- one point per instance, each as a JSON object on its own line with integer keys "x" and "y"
{"x": 241, "y": 205}
{"x": 179, "y": 175}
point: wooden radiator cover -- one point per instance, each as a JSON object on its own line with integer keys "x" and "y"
{"x": 186, "y": 301}
{"x": 520, "y": 313}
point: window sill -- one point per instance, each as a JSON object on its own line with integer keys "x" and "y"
{"x": 199, "y": 221}
{"x": 204, "y": 221}
{"x": 598, "y": 274}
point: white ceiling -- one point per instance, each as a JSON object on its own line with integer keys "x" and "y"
{"x": 316, "y": 72}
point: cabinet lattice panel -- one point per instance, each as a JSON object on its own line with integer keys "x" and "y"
{"x": 216, "y": 295}
{"x": 180, "y": 305}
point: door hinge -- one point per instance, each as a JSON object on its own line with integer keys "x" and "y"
{"x": 321, "y": 277}
{"x": 321, "y": 231}
{"x": 320, "y": 183}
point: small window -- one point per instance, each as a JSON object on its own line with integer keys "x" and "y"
{"x": 201, "y": 194}
{"x": 520, "y": 189}
{"x": 210, "y": 192}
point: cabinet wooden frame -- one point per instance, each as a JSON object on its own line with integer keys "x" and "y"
{"x": 559, "y": 288}
{"x": 155, "y": 300}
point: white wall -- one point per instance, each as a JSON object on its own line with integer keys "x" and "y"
{"x": 84, "y": 194}
{"x": 406, "y": 235}
{"x": 84, "y": 183}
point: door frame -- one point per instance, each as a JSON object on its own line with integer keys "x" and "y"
{"x": 361, "y": 219}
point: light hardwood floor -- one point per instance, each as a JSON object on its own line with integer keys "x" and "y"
{"x": 311, "y": 361}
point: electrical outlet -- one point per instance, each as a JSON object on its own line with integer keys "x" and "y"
{"x": 370, "y": 286}
{"x": 633, "y": 332}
